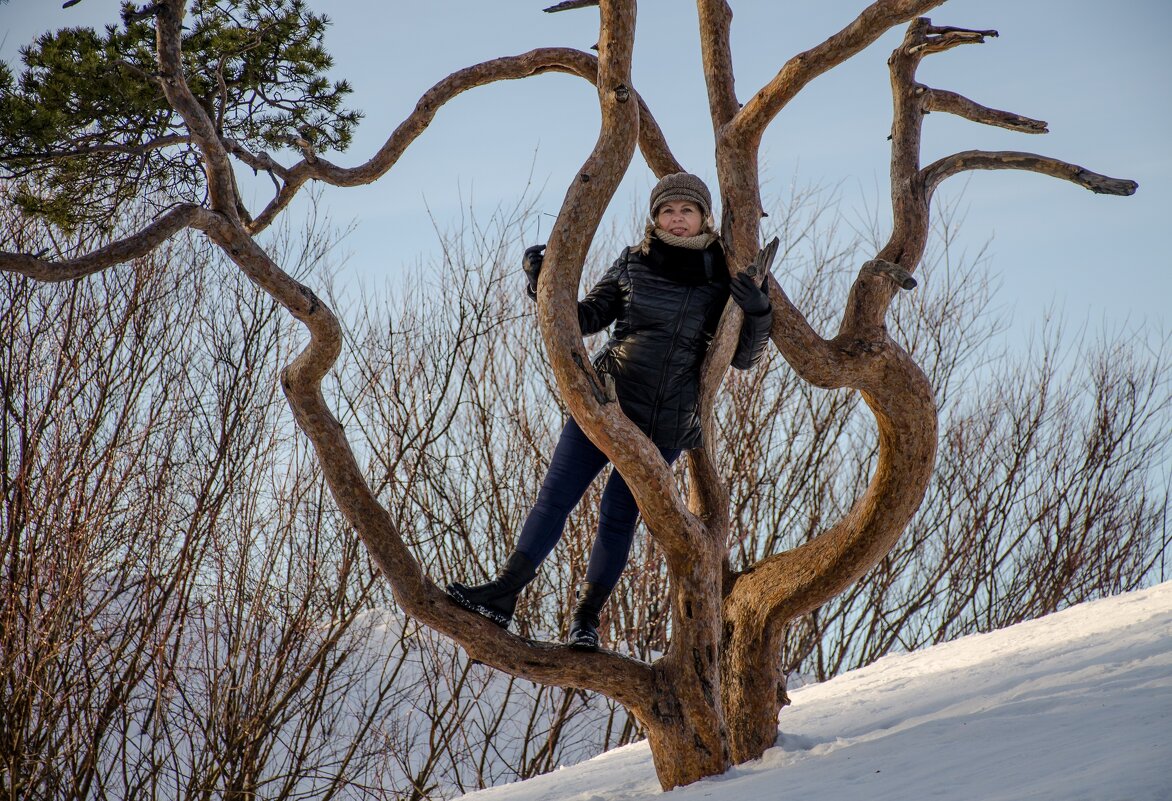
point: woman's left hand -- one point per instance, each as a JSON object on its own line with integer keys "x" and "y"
{"x": 531, "y": 264}
{"x": 748, "y": 295}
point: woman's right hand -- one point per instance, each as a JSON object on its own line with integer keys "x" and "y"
{"x": 531, "y": 264}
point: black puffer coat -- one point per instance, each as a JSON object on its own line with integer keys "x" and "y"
{"x": 665, "y": 306}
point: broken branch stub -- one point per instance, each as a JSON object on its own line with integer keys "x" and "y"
{"x": 902, "y": 278}
{"x": 961, "y": 106}
{"x": 940, "y": 39}
{"x": 763, "y": 261}
{"x": 569, "y": 5}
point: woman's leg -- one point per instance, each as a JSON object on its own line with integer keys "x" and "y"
{"x": 616, "y": 529}
{"x": 574, "y": 464}
{"x": 608, "y": 557}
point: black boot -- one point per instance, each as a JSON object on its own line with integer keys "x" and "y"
{"x": 497, "y": 599}
{"x": 584, "y": 623}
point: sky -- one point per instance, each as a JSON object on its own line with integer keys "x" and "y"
{"x": 1099, "y": 74}
{"x": 1075, "y": 706}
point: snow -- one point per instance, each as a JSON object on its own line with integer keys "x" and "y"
{"x": 1073, "y": 706}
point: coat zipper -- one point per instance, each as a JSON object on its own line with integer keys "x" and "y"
{"x": 667, "y": 360}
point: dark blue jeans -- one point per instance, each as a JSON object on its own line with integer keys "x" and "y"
{"x": 574, "y": 465}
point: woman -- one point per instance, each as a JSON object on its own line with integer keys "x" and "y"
{"x": 665, "y": 297}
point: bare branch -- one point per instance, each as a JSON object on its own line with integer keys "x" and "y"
{"x": 624, "y": 679}
{"x": 653, "y": 144}
{"x": 875, "y": 20}
{"x": 569, "y": 5}
{"x": 869, "y": 299}
{"x": 260, "y": 162}
{"x": 221, "y": 186}
{"x": 935, "y": 30}
{"x": 769, "y": 594}
{"x": 813, "y": 358}
{"x": 715, "y": 32}
{"x": 948, "y": 166}
{"x": 131, "y": 247}
{"x": 308, "y": 152}
{"x": 737, "y": 155}
{"x": 940, "y": 39}
{"x": 953, "y": 103}
{"x": 534, "y": 62}
{"x": 789, "y": 584}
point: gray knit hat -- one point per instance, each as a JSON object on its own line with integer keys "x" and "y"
{"x": 681, "y": 186}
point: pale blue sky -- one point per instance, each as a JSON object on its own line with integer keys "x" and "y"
{"x": 1100, "y": 74}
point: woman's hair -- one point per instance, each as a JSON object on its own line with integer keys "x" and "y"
{"x": 644, "y": 247}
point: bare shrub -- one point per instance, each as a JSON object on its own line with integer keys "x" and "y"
{"x": 183, "y": 608}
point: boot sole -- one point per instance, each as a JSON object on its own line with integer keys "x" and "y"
{"x": 466, "y": 603}
{"x": 583, "y": 645}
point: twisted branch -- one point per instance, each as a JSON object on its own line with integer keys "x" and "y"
{"x": 633, "y": 454}
{"x": 132, "y": 247}
{"x": 626, "y": 680}
{"x": 817, "y": 360}
{"x": 221, "y": 184}
{"x": 783, "y": 586}
{"x": 619, "y": 677}
{"x": 948, "y": 166}
{"x": 535, "y": 62}
{"x": 875, "y": 20}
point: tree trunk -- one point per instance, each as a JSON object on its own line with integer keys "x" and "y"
{"x": 753, "y": 688}
{"x": 685, "y": 717}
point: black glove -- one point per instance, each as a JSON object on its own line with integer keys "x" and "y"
{"x": 531, "y": 264}
{"x": 748, "y": 295}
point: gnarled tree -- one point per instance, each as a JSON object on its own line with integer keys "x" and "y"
{"x": 198, "y": 105}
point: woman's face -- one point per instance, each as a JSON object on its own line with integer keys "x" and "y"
{"x": 680, "y": 218}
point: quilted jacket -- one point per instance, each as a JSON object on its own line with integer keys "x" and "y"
{"x": 665, "y": 307}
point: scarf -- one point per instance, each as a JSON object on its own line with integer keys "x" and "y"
{"x": 698, "y": 242}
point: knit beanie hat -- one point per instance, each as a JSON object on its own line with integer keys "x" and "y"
{"x": 681, "y": 186}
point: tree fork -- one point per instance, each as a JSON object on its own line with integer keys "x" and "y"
{"x": 780, "y": 588}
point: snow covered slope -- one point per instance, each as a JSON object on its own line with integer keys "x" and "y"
{"x": 1077, "y": 705}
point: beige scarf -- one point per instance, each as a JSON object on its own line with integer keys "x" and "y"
{"x": 697, "y": 242}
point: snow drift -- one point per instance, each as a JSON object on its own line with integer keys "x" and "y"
{"x": 1076, "y": 705}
